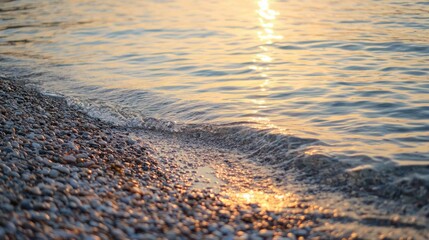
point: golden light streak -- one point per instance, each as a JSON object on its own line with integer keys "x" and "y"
{"x": 267, "y": 201}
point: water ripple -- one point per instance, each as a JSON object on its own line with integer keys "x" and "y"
{"x": 352, "y": 74}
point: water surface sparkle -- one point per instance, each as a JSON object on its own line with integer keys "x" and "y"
{"x": 353, "y": 74}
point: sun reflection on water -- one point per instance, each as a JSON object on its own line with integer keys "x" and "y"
{"x": 266, "y": 201}
{"x": 313, "y": 151}
{"x": 266, "y": 18}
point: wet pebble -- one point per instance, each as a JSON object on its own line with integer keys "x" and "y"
{"x": 227, "y": 229}
{"x": 266, "y": 233}
{"x": 74, "y": 183}
{"x": 54, "y": 173}
{"x": 35, "y": 190}
{"x": 10, "y": 227}
{"x": 131, "y": 141}
{"x": 6, "y": 169}
{"x": 62, "y": 169}
{"x": 2, "y": 233}
{"x": 69, "y": 158}
{"x": 36, "y": 146}
{"x": 26, "y": 204}
{"x": 300, "y": 232}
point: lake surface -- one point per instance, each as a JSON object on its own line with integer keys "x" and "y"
{"x": 354, "y": 75}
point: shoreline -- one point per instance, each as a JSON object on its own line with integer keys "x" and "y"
{"x": 408, "y": 184}
{"x": 67, "y": 175}
{"x": 78, "y": 177}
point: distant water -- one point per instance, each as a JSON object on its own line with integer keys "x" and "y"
{"x": 351, "y": 75}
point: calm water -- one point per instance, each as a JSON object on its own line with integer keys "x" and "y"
{"x": 353, "y": 73}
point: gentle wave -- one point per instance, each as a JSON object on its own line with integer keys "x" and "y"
{"x": 309, "y": 158}
{"x": 354, "y": 75}
{"x": 301, "y": 156}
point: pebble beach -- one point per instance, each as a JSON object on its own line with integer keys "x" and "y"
{"x": 246, "y": 119}
{"x": 65, "y": 175}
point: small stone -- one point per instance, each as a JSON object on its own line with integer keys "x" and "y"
{"x": 247, "y": 217}
{"x": 118, "y": 233}
{"x": 6, "y": 207}
{"x": 44, "y": 161}
{"x": 54, "y": 173}
{"x": 131, "y": 141}
{"x": 10, "y": 228}
{"x": 74, "y": 183}
{"x": 26, "y": 204}
{"x": 71, "y": 146}
{"x": 69, "y": 158}
{"x": 266, "y": 233}
{"x": 30, "y": 135}
{"x": 35, "y": 191}
{"x": 41, "y": 206}
{"x": 229, "y": 237}
{"x": 61, "y": 234}
{"x": 86, "y": 135}
{"x": 102, "y": 179}
{"x": 27, "y": 176}
{"x": 147, "y": 236}
{"x": 45, "y": 171}
{"x": 242, "y": 235}
{"x": 300, "y": 232}
{"x": 291, "y": 236}
{"x": 212, "y": 227}
{"x": 2, "y": 233}
{"x": 6, "y": 169}
{"x": 15, "y": 174}
{"x": 36, "y": 146}
{"x": 8, "y": 150}
{"x": 15, "y": 144}
{"x": 47, "y": 192}
{"x": 224, "y": 214}
{"x": 62, "y": 169}
{"x": 91, "y": 237}
{"x": 255, "y": 237}
{"x": 227, "y": 229}
{"x": 82, "y": 155}
{"x": 40, "y": 137}
{"x": 74, "y": 202}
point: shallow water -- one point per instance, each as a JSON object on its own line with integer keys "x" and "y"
{"x": 353, "y": 75}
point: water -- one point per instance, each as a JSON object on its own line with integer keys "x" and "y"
{"x": 349, "y": 79}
